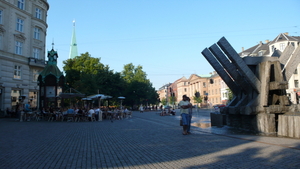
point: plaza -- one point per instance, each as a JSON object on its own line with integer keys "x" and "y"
{"x": 146, "y": 140}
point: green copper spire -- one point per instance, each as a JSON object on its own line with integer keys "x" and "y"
{"x": 73, "y": 47}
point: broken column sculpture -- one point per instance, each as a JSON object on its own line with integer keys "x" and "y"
{"x": 259, "y": 86}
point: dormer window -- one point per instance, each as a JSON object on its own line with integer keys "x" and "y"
{"x": 281, "y": 46}
{"x": 260, "y": 53}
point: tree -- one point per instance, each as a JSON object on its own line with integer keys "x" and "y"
{"x": 89, "y": 76}
{"x": 172, "y": 100}
{"x": 230, "y": 94}
{"x": 197, "y": 98}
{"x": 139, "y": 89}
{"x": 164, "y": 101}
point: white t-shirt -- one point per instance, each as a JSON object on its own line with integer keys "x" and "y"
{"x": 184, "y": 103}
{"x": 91, "y": 112}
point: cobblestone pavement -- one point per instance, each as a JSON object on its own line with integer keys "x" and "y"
{"x": 146, "y": 140}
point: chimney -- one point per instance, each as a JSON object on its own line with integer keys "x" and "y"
{"x": 267, "y": 41}
{"x": 260, "y": 42}
{"x": 286, "y": 33}
{"x": 243, "y": 49}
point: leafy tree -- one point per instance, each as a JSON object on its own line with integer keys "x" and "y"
{"x": 89, "y": 76}
{"x": 172, "y": 100}
{"x": 139, "y": 89}
{"x": 197, "y": 98}
{"x": 164, "y": 101}
{"x": 230, "y": 94}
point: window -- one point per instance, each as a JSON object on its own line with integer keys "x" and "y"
{"x": 38, "y": 13}
{"x": 296, "y": 71}
{"x": 282, "y": 46}
{"x": 260, "y": 53}
{"x": 36, "y": 53}
{"x": 17, "y": 72}
{"x": 18, "y": 48}
{"x": 21, "y": 4}
{"x": 35, "y": 75}
{"x": 20, "y": 23}
{"x": 1, "y": 16}
{"x": 36, "y": 34}
{"x": 204, "y": 84}
{"x": 204, "y": 92}
{"x": 296, "y": 82}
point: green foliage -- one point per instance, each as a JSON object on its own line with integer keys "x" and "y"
{"x": 89, "y": 76}
{"x": 172, "y": 100}
{"x": 164, "y": 101}
{"x": 197, "y": 98}
{"x": 230, "y": 94}
{"x": 139, "y": 89}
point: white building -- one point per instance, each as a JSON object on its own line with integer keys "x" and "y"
{"x": 23, "y": 27}
{"x": 274, "y": 49}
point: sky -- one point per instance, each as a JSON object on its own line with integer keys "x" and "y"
{"x": 165, "y": 37}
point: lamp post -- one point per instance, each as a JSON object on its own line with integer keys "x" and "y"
{"x": 121, "y": 98}
{"x": 167, "y": 95}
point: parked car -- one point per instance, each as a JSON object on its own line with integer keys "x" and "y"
{"x": 219, "y": 105}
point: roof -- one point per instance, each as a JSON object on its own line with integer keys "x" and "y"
{"x": 51, "y": 70}
{"x": 285, "y": 37}
{"x": 51, "y": 67}
{"x": 264, "y": 47}
{"x": 206, "y": 75}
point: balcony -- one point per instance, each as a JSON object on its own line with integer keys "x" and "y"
{"x": 36, "y": 62}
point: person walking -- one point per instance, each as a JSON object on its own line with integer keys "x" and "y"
{"x": 141, "y": 109}
{"x": 184, "y": 104}
{"x": 190, "y": 110}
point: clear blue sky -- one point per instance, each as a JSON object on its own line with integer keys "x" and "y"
{"x": 166, "y": 37}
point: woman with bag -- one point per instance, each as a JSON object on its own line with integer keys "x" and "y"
{"x": 184, "y": 105}
{"x": 190, "y": 110}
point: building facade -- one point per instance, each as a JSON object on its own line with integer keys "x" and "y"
{"x": 23, "y": 27}
{"x": 209, "y": 86}
{"x": 275, "y": 48}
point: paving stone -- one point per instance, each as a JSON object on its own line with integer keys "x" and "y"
{"x": 146, "y": 140}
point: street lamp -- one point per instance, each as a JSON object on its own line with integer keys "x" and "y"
{"x": 166, "y": 87}
{"x": 121, "y": 98}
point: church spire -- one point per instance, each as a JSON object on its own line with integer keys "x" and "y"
{"x": 73, "y": 46}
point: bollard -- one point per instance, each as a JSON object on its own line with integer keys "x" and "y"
{"x": 100, "y": 116}
{"x": 21, "y": 116}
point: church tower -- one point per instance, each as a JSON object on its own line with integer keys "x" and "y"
{"x": 73, "y": 46}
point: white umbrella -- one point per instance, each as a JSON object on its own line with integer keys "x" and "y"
{"x": 99, "y": 97}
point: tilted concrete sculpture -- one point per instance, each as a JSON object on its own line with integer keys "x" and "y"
{"x": 259, "y": 85}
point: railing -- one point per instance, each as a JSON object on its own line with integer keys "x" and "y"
{"x": 36, "y": 62}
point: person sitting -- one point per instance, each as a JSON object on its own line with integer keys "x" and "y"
{"x": 27, "y": 107}
{"x": 163, "y": 113}
{"x": 90, "y": 114}
{"x": 173, "y": 112}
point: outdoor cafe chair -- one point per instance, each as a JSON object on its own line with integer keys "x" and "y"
{"x": 38, "y": 116}
{"x": 70, "y": 117}
{"x": 129, "y": 114}
{"x": 93, "y": 118}
{"x": 50, "y": 116}
{"x": 120, "y": 115}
